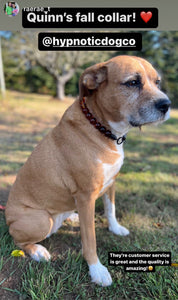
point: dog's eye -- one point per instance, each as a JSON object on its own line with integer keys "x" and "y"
{"x": 133, "y": 83}
{"x": 158, "y": 82}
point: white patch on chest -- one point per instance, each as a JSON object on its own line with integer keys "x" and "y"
{"x": 58, "y": 220}
{"x": 111, "y": 170}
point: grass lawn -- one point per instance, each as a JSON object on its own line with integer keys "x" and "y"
{"x": 146, "y": 203}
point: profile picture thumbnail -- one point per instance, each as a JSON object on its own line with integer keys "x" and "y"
{"x": 11, "y": 9}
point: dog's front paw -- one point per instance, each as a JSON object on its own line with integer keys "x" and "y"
{"x": 116, "y": 228}
{"x": 99, "y": 274}
{"x": 38, "y": 253}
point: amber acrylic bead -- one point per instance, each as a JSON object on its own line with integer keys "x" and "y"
{"x": 113, "y": 137}
{"x": 93, "y": 121}
{"x": 88, "y": 116}
{"x": 102, "y": 129}
{"x": 97, "y": 125}
{"x": 108, "y": 133}
{"x": 85, "y": 110}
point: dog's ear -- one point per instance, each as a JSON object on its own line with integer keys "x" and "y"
{"x": 91, "y": 79}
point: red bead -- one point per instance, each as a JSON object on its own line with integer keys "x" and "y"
{"x": 108, "y": 133}
{"x": 88, "y": 116}
{"x": 93, "y": 121}
{"x": 102, "y": 129}
{"x": 85, "y": 110}
{"x": 97, "y": 125}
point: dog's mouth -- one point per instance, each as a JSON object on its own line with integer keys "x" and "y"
{"x": 158, "y": 112}
{"x": 154, "y": 119}
{"x": 140, "y": 124}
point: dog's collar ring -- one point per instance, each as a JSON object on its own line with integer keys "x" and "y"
{"x": 98, "y": 125}
{"x": 121, "y": 139}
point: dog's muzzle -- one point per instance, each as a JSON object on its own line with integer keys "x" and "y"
{"x": 163, "y": 105}
{"x": 153, "y": 114}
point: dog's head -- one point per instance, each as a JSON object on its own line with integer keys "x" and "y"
{"x": 127, "y": 90}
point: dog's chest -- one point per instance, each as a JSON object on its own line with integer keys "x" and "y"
{"x": 110, "y": 170}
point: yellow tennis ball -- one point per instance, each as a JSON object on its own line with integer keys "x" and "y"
{"x": 17, "y": 253}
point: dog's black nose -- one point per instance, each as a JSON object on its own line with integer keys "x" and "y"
{"x": 163, "y": 105}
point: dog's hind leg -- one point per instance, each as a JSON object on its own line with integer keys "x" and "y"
{"x": 109, "y": 210}
{"x": 28, "y": 227}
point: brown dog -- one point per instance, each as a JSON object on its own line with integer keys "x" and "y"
{"x": 79, "y": 159}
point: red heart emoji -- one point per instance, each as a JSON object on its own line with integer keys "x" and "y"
{"x": 146, "y": 16}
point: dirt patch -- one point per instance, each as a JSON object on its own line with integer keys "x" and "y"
{"x": 11, "y": 280}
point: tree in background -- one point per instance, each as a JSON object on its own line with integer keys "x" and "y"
{"x": 167, "y": 61}
{"x": 163, "y": 53}
{"x": 30, "y": 70}
{"x": 61, "y": 65}
{"x": 2, "y": 80}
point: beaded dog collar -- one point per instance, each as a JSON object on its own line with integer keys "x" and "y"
{"x": 98, "y": 125}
